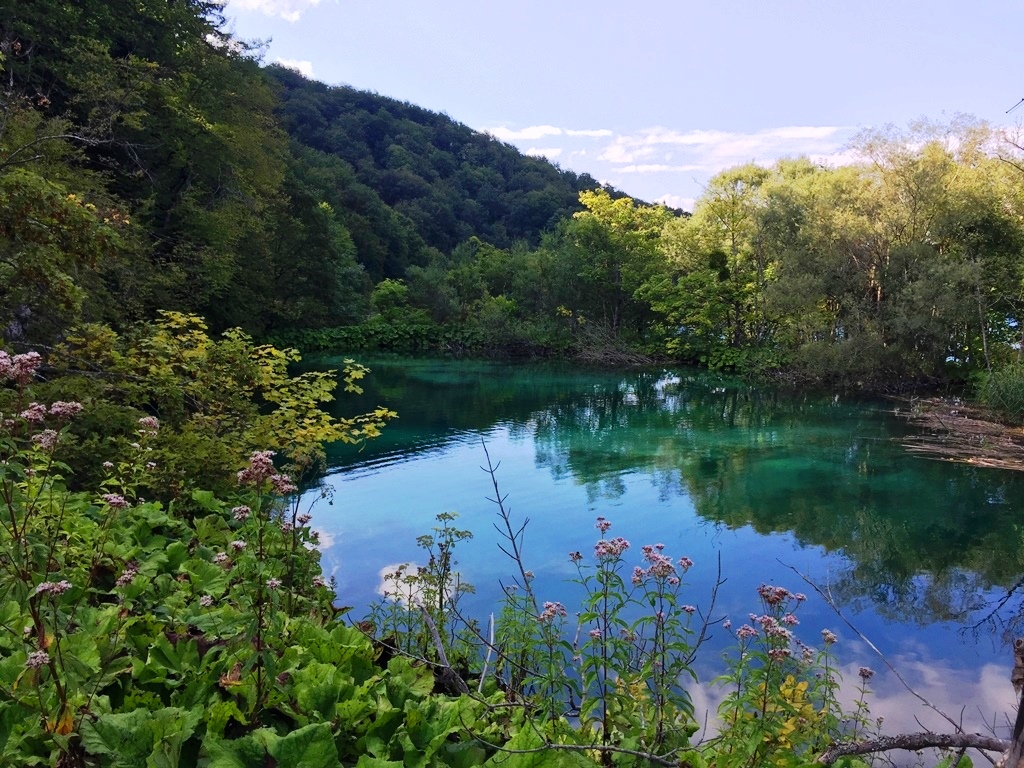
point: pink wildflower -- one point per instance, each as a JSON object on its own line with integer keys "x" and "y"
{"x": 47, "y": 439}
{"x": 64, "y": 410}
{"x": 261, "y": 466}
{"x": 35, "y": 413}
{"x": 772, "y": 595}
{"x": 127, "y": 575}
{"x": 19, "y": 368}
{"x": 37, "y": 659}
{"x": 53, "y": 587}
{"x": 149, "y": 425}
{"x": 550, "y": 612}
{"x": 283, "y": 485}
{"x": 610, "y": 548}
{"x": 746, "y": 632}
{"x": 602, "y": 525}
{"x": 115, "y": 500}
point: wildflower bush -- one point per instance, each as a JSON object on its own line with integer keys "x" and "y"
{"x": 217, "y": 399}
{"x": 609, "y": 684}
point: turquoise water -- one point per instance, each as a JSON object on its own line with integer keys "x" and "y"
{"x": 922, "y": 556}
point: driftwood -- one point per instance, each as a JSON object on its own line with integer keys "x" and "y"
{"x": 956, "y": 431}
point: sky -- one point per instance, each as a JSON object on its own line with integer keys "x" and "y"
{"x": 656, "y": 96}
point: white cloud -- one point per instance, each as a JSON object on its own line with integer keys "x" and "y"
{"x": 712, "y": 151}
{"x": 806, "y": 132}
{"x": 676, "y": 201}
{"x": 623, "y": 151}
{"x": 548, "y": 152}
{"x": 305, "y": 68}
{"x": 835, "y": 159}
{"x": 532, "y": 133}
{"x": 661, "y": 160}
{"x": 657, "y": 168}
{"x": 289, "y": 10}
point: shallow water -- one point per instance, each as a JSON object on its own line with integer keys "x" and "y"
{"x": 922, "y": 556}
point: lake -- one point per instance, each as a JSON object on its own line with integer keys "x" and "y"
{"x": 924, "y": 557}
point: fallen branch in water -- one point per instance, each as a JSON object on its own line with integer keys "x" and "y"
{"x": 962, "y": 433}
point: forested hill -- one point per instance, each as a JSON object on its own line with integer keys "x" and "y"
{"x": 147, "y": 162}
{"x": 386, "y": 160}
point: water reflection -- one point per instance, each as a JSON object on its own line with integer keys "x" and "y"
{"x": 918, "y": 541}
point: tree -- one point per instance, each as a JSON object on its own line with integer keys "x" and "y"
{"x": 610, "y": 248}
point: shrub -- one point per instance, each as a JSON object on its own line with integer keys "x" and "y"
{"x": 1002, "y": 390}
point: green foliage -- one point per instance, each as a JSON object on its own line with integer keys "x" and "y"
{"x": 218, "y": 400}
{"x": 421, "y": 600}
{"x": 1002, "y": 390}
{"x": 131, "y": 635}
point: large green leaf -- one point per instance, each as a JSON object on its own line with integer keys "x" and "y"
{"x": 247, "y": 752}
{"x": 123, "y": 736}
{"x": 317, "y": 690}
{"x": 309, "y": 747}
{"x": 170, "y": 729}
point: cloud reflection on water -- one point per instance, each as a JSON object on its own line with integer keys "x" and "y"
{"x": 987, "y": 687}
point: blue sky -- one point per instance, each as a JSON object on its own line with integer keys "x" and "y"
{"x": 655, "y": 96}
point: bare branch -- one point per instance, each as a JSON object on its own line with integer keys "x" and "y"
{"x": 448, "y": 677}
{"x": 914, "y": 742}
{"x": 55, "y": 137}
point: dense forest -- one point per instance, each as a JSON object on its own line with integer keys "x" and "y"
{"x": 141, "y": 175}
{"x": 162, "y": 168}
{"x": 167, "y": 204}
